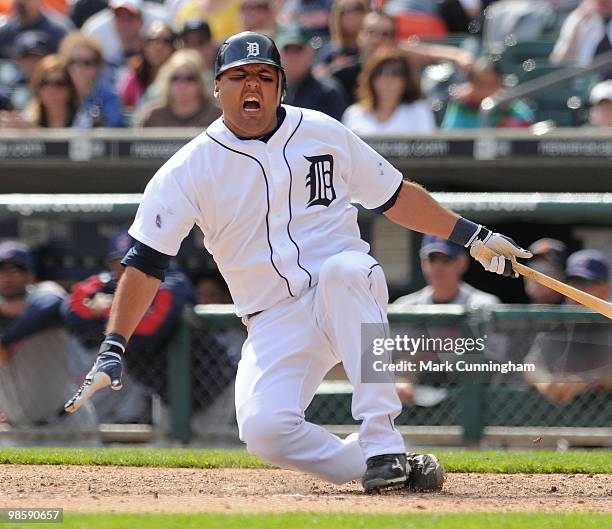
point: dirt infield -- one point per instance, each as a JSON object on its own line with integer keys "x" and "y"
{"x": 127, "y": 489}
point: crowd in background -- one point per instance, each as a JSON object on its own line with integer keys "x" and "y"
{"x": 380, "y": 66}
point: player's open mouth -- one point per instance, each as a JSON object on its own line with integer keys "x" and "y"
{"x": 251, "y": 104}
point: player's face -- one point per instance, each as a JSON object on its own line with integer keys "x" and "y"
{"x": 442, "y": 271}
{"x": 249, "y": 97}
{"x": 13, "y": 280}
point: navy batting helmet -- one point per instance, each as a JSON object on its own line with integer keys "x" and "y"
{"x": 247, "y": 47}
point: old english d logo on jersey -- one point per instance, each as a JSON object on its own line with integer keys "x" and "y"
{"x": 252, "y": 49}
{"x": 320, "y": 179}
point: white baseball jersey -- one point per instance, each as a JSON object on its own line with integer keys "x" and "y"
{"x": 271, "y": 213}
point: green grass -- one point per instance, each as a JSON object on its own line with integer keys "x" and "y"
{"x": 535, "y": 461}
{"x": 332, "y": 521}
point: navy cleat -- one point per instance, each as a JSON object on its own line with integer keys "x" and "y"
{"x": 425, "y": 473}
{"x": 384, "y": 472}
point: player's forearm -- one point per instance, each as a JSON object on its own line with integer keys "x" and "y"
{"x": 417, "y": 210}
{"x": 134, "y": 296}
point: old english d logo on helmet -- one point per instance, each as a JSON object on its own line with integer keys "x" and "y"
{"x": 247, "y": 47}
{"x": 252, "y": 49}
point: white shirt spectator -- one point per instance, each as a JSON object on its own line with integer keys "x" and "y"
{"x": 101, "y": 26}
{"x": 408, "y": 118}
{"x": 579, "y": 37}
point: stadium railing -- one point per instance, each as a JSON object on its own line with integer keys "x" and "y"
{"x": 466, "y": 411}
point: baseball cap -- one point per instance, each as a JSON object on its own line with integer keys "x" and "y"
{"x": 199, "y": 25}
{"x": 601, "y": 92}
{"x": 119, "y": 245}
{"x": 553, "y": 250}
{"x": 32, "y": 43}
{"x": 588, "y": 264}
{"x": 133, "y": 6}
{"x": 432, "y": 244}
{"x": 18, "y": 253}
{"x": 293, "y": 34}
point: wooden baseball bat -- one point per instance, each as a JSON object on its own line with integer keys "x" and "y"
{"x": 597, "y": 304}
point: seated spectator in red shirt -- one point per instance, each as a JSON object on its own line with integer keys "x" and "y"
{"x": 183, "y": 101}
{"x": 86, "y": 312}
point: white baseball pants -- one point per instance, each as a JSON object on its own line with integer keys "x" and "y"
{"x": 289, "y": 349}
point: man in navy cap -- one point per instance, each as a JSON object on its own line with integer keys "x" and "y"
{"x": 33, "y": 349}
{"x": 589, "y": 270}
{"x": 574, "y": 360}
{"x": 443, "y": 264}
{"x": 548, "y": 258}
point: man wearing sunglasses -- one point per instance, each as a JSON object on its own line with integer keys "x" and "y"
{"x": 443, "y": 264}
{"x": 34, "y": 374}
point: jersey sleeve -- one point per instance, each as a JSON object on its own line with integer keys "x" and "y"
{"x": 167, "y": 211}
{"x": 372, "y": 180}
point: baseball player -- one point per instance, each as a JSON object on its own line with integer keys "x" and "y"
{"x": 271, "y": 187}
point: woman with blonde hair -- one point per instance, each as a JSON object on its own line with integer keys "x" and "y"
{"x": 99, "y": 104}
{"x": 389, "y": 98}
{"x": 55, "y": 102}
{"x": 183, "y": 100}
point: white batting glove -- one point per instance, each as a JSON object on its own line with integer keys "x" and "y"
{"x": 106, "y": 371}
{"x": 506, "y": 251}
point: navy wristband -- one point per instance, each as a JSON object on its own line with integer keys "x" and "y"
{"x": 466, "y": 232}
{"x": 113, "y": 340}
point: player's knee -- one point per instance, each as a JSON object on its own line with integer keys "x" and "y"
{"x": 341, "y": 269}
{"x": 264, "y": 433}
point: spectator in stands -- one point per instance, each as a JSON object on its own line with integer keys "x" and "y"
{"x": 485, "y": 79}
{"x": 312, "y": 15}
{"x": 86, "y": 313}
{"x": 573, "y": 360}
{"x": 118, "y": 28}
{"x": 379, "y": 30}
{"x": 601, "y": 104}
{"x": 345, "y": 20}
{"x": 28, "y": 15}
{"x": 33, "y": 348}
{"x": 196, "y": 35}
{"x": 585, "y": 33}
{"x": 82, "y": 10}
{"x": 443, "y": 264}
{"x": 184, "y": 100}
{"x": 548, "y": 258}
{"x": 99, "y": 104}
{"x": 158, "y": 47}
{"x": 30, "y": 48}
{"x": 303, "y": 89}
{"x": 221, "y": 15}
{"x": 258, "y": 15}
{"x": 55, "y": 100}
{"x": 210, "y": 289}
{"x": 389, "y": 98}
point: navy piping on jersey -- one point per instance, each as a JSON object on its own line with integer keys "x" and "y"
{"x": 290, "y": 213}
{"x": 267, "y": 205}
